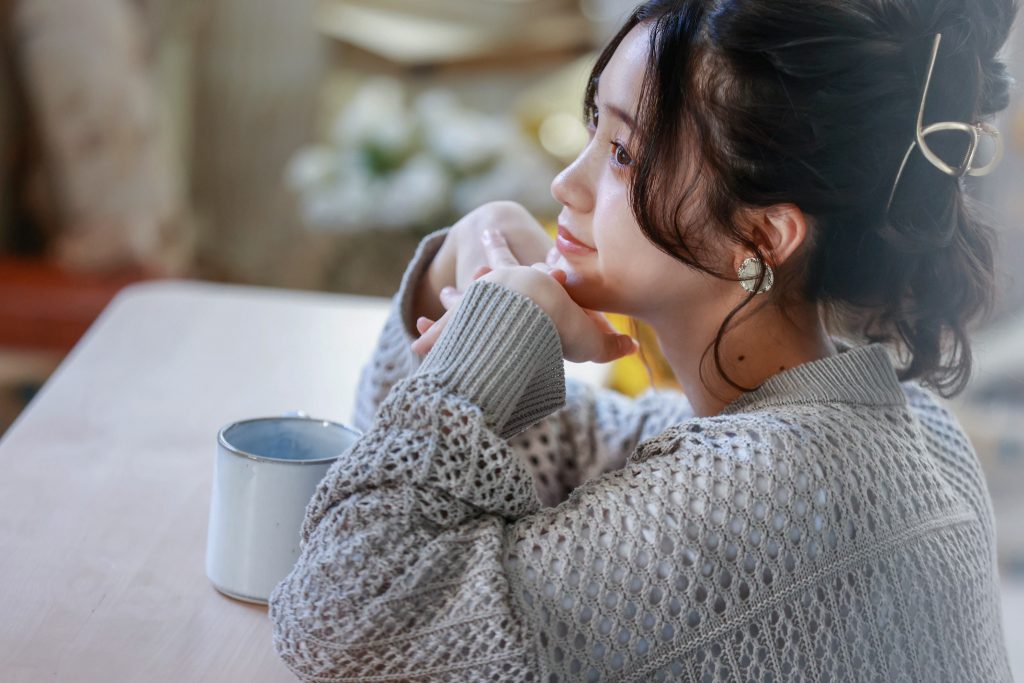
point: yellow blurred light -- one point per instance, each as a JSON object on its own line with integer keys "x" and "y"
{"x": 563, "y": 135}
{"x": 629, "y": 374}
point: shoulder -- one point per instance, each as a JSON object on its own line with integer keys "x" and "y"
{"x": 939, "y": 426}
{"x": 945, "y": 440}
{"x": 818, "y": 464}
{"x": 929, "y": 408}
{"x": 799, "y": 466}
{"x": 741, "y": 466}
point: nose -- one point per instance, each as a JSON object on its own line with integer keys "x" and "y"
{"x": 572, "y": 187}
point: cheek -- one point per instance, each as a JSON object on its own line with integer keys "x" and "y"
{"x": 642, "y": 280}
{"x": 645, "y": 277}
{"x": 622, "y": 246}
{"x": 628, "y": 275}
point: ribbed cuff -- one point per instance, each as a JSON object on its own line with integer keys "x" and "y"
{"x": 501, "y": 351}
{"x": 421, "y": 260}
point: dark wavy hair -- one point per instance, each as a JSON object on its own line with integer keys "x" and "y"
{"x": 814, "y": 103}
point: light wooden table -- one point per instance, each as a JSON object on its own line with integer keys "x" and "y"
{"x": 105, "y": 478}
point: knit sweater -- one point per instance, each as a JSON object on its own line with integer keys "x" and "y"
{"x": 498, "y": 523}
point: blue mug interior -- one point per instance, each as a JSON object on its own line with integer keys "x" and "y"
{"x": 289, "y": 438}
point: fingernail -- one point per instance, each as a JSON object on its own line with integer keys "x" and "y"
{"x": 487, "y": 237}
{"x": 447, "y": 291}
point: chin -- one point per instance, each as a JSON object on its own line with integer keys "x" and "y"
{"x": 595, "y": 298}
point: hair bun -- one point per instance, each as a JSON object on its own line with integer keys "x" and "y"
{"x": 995, "y": 87}
{"x": 973, "y": 33}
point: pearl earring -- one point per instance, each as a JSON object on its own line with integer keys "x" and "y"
{"x": 750, "y": 270}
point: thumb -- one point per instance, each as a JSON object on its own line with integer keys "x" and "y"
{"x": 627, "y": 345}
{"x": 615, "y": 346}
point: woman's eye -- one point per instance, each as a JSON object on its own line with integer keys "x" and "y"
{"x": 620, "y": 155}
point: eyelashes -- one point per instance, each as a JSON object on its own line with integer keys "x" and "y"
{"x": 620, "y": 158}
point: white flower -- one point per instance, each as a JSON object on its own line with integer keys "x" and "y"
{"x": 348, "y": 202}
{"x": 378, "y": 116}
{"x": 465, "y": 139}
{"x": 435, "y": 105}
{"x": 389, "y": 166}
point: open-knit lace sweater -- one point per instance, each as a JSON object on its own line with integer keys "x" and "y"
{"x": 495, "y": 523}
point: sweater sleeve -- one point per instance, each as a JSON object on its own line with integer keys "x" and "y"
{"x": 401, "y": 574}
{"x": 592, "y": 434}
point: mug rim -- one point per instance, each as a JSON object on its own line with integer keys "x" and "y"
{"x": 233, "y": 450}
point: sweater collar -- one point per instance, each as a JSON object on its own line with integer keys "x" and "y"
{"x": 862, "y": 375}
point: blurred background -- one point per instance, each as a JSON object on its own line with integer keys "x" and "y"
{"x": 310, "y": 144}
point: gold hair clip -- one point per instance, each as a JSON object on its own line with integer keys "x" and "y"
{"x": 975, "y": 131}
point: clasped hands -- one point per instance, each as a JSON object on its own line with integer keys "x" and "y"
{"x": 585, "y": 335}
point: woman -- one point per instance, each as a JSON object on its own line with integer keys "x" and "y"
{"x": 758, "y": 179}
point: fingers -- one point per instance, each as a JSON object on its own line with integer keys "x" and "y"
{"x": 619, "y": 346}
{"x": 552, "y": 258}
{"x": 426, "y": 342}
{"x": 615, "y": 344}
{"x": 423, "y": 324}
{"x": 498, "y": 253}
{"x": 450, "y": 298}
{"x": 556, "y": 273}
{"x": 594, "y": 338}
{"x": 586, "y": 335}
{"x": 609, "y": 347}
{"x": 601, "y": 321}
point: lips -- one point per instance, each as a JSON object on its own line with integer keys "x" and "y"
{"x": 567, "y": 243}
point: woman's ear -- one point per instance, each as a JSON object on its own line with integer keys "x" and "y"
{"x": 779, "y": 230}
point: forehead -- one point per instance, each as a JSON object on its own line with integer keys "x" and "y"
{"x": 622, "y": 76}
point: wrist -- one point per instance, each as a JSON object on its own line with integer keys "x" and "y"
{"x": 495, "y": 329}
{"x": 438, "y": 275}
{"x": 408, "y": 296}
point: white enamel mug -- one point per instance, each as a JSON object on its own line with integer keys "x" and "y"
{"x": 266, "y": 472}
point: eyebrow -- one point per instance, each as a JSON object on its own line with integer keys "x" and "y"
{"x": 619, "y": 113}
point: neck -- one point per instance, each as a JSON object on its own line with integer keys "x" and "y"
{"x": 760, "y": 346}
